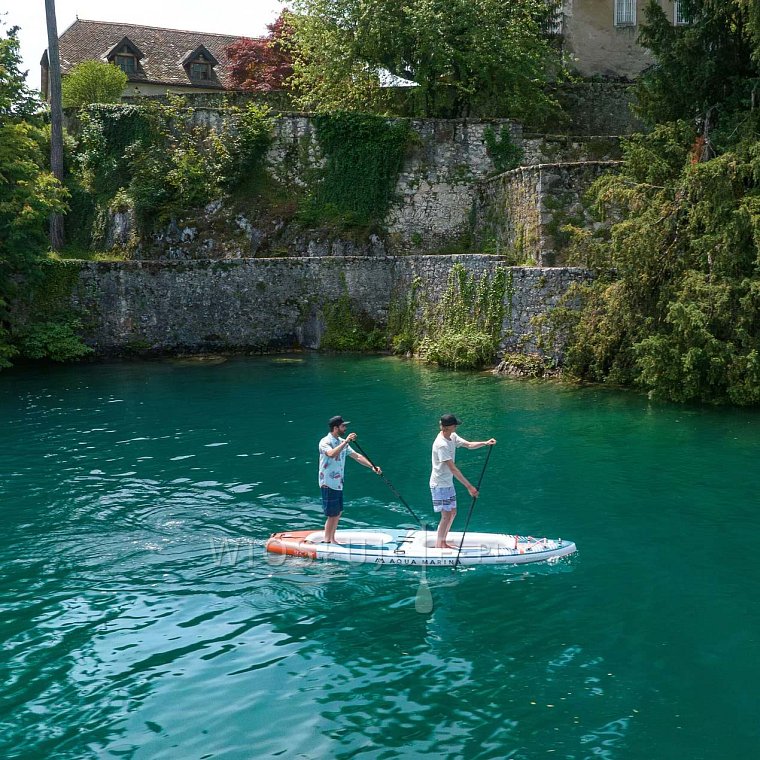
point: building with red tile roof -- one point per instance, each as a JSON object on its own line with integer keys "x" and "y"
{"x": 156, "y": 60}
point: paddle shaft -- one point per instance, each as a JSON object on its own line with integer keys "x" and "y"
{"x": 472, "y": 506}
{"x": 388, "y": 483}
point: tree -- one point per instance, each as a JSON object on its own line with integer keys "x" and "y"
{"x": 705, "y": 70}
{"x": 17, "y": 101}
{"x": 681, "y": 315}
{"x": 675, "y": 308}
{"x": 28, "y": 193}
{"x": 264, "y": 64}
{"x": 93, "y": 82}
{"x": 465, "y": 56}
{"x": 56, "y": 119}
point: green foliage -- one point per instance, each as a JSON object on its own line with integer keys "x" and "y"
{"x": 92, "y": 82}
{"x": 165, "y": 167}
{"x": 244, "y": 144}
{"x": 347, "y": 329}
{"x": 466, "y": 349}
{"x": 28, "y": 195}
{"x": 7, "y": 350}
{"x": 402, "y": 319}
{"x": 460, "y": 330}
{"x": 17, "y": 101}
{"x": 674, "y": 308}
{"x": 504, "y": 153}
{"x": 58, "y": 341}
{"x": 707, "y": 69}
{"x": 111, "y": 136}
{"x": 28, "y": 192}
{"x": 50, "y": 328}
{"x": 488, "y": 57}
{"x": 363, "y": 157}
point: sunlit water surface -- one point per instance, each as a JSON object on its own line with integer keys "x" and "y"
{"x": 142, "y": 619}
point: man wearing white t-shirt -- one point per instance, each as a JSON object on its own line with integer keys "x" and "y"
{"x": 444, "y": 471}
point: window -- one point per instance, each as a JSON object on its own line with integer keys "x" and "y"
{"x": 199, "y": 64}
{"x": 679, "y": 15}
{"x": 553, "y": 26}
{"x": 625, "y": 12}
{"x": 127, "y": 63}
{"x": 200, "y": 70}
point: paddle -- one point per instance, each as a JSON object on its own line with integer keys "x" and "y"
{"x": 472, "y": 506}
{"x": 388, "y": 483}
{"x": 423, "y": 602}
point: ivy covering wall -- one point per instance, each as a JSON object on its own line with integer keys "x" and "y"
{"x": 363, "y": 156}
{"x": 462, "y": 329}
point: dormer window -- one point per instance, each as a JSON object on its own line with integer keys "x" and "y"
{"x": 126, "y": 62}
{"x": 199, "y": 64}
{"x": 200, "y": 70}
{"x": 124, "y": 54}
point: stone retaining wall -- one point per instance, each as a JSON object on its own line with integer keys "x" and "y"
{"x": 259, "y": 304}
{"x": 522, "y": 212}
{"x": 432, "y": 198}
{"x": 553, "y": 149}
{"x": 446, "y": 183}
{"x": 598, "y": 108}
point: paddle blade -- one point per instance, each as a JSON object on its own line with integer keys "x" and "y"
{"x": 423, "y": 602}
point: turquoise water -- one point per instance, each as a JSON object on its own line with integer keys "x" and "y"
{"x": 142, "y": 619}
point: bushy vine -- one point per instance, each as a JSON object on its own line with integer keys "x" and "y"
{"x": 502, "y": 149}
{"x": 462, "y": 329}
{"x": 363, "y": 157}
{"x": 48, "y": 327}
{"x": 166, "y": 168}
{"x": 348, "y": 329}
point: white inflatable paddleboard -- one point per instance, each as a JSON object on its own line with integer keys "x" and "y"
{"x": 417, "y": 547}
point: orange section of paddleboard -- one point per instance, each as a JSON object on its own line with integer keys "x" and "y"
{"x": 292, "y": 543}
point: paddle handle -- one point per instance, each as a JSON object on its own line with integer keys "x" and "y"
{"x": 472, "y": 506}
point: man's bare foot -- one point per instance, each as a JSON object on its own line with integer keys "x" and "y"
{"x": 334, "y": 541}
{"x": 446, "y": 546}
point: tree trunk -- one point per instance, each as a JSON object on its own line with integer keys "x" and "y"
{"x": 56, "y": 119}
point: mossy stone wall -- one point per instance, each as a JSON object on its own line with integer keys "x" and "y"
{"x": 265, "y": 304}
{"x": 521, "y": 213}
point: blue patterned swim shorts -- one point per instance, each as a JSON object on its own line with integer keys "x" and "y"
{"x": 444, "y": 499}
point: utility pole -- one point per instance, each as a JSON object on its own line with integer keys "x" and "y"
{"x": 56, "y": 119}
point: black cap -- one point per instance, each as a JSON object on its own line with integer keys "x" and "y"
{"x": 335, "y": 421}
{"x": 449, "y": 419}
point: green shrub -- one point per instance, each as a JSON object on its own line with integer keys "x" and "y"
{"x": 92, "y": 82}
{"x": 363, "y": 157}
{"x": 466, "y": 349}
{"x": 166, "y": 168}
{"x": 58, "y": 341}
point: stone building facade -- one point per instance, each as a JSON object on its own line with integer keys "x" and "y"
{"x": 601, "y": 35}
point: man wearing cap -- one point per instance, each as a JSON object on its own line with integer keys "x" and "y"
{"x": 332, "y": 461}
{"x": 444, "y": 471}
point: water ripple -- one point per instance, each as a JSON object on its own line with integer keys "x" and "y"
{"x": 141, "y": 616}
